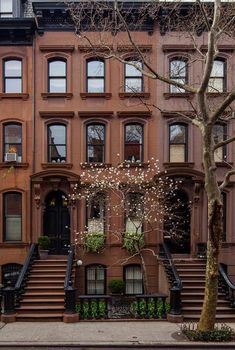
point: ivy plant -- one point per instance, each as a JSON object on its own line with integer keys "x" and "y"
{"x": 94, "y": 242}
{"x": 133, "y": 242}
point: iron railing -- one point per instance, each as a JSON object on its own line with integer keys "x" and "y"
{"x": 227, "y": 287}
{"x": 70, "y": 291}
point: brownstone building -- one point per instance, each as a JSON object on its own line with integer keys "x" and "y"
{"x": 63, "y": 109}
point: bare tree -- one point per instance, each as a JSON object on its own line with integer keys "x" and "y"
{"x": 103, "y": 25}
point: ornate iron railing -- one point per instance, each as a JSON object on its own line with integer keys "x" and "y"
{"x": 70, "y": 291}
{"x": 12, "y": 294}
{"x": 227, "y": 287}
{"x": 93, "y": 306}
{"x": 174, "y": 279}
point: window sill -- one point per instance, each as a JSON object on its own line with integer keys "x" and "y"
{"x": 14, "y": 165}
{"x": 217, "y": 94}
{"x": 168, "y": 95}
{"x": 223, "y": 164}
{"x": 95, "y": 165}
{"x": 124, "y": 95}
{"x": 178, "y": 165}
{"x": 57, "y": 165}
{"x": 46, "y": 95}
{"x": 85, "y": 95}
{"x": 13, "y": 244}
{"x": 127, "y": 164}
{"x": 21, "y": 96}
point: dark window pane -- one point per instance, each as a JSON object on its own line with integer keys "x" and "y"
{"x": 133, "y": 153}
{"x": 133, "y": 142}
{"x": 13, "y": 133}
{"x": 95, "y": 278}
{"x": 13, "y": 68}
{"x": 95, "y": 69}
{"x": 95, "y": 154}
{"x": 95, "y": 134}
{"x": 57, "y": 69}
{"x": 178, "y": 68}
{"x": 95, "y": 143}
{"x": 57, "y": 143}
{"x": 57, "y": 134}
{"x": 177, "y": 133}
{"x": 134, "y": 280}
{"x": 12, "y": 217}
{"x": 12, "y": 142}
{"x": 134, "y": 133}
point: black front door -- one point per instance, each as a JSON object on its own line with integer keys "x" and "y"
{"x": 56, "y": 222}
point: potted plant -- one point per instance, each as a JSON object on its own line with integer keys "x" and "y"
{"x": 94, "y": 242}
{"x": 116, "y": 286}
{"x": 44, "y": 242}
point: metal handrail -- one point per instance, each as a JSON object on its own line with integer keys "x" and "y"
{"x": 69, "y": 267}
{"x": 177, "y": 281}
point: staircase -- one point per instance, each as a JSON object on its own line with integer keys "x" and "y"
{"x": 43, "y": 299}
{"x": 192, "y": 275}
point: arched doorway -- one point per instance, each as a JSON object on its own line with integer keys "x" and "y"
{"x": 177, "y": 223}
{"x": 56, "y": 222}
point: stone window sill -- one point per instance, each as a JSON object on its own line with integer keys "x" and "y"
{"x": 14, "y": 165}
{"x": 168, "y": 95}
{"x": 217, "y": 94}
{"x": 46, "y": 95}
{"x": 13, "y": 244}
{"x": 95, "y": 165}
{"x": 85, "y": 95}
{"x": 9, "y": 95}
{"x": 178, "y": 164}
{"x": 124, "y": 95}
{"x": 223, "y": 164}
{"x": 57, "y": 165}
{"x": 127, "y": 164}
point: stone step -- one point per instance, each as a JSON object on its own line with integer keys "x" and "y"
{"x": 46, "y": 317}
{"x": 36, "y": 294}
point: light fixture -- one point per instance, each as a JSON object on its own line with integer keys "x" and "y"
{"x": 79, "y": 262}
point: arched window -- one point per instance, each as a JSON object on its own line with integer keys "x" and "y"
{"x": 133, "y": 277}
{"x": 10, "y": 273}
{"x": 12, "y": 76}
{"x": 134, "y": 213}
{"x": 57, "y": 143}
{"x": 133, "y": 76}
{"x": 95, "y": 279}
{"x": 96, "y": 214}
{"x": 220, "y": 134}
{"x": 95, "y": 75}
{"x": 6, "y": 8}
{"x": 57, "y": 75}
{"x": 178, "y": 142}
{"x": 12, "y": 142}
{"x": 12, "y": 206}
{"x": 178, "y": 73}
{"x": 217, "y": 81}
{"x": 95, "y": 143}
{"x": 133, "y": 150}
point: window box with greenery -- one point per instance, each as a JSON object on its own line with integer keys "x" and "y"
{"x": 133, "y": 241}
{"x": 44, "y": 243}
{"x": 94, "y": 242}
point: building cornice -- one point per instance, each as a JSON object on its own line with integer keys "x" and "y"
{"x": 17, "y": 31}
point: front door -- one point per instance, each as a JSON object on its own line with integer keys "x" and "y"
{"x": 56, "y": 222}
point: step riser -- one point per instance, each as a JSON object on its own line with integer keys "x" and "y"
{"x": 44, "y": 303}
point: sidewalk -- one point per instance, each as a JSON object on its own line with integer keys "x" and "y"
{"x": 99, "y": 334}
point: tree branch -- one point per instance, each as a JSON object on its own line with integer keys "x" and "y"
{"x": 225, "y": 142}
{"x": 226, "y": 179}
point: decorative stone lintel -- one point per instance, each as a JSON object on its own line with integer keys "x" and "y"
{"x": 144, "y": 95}
{"x": 56, "y": 114}
{"x": 134, "y": 114}
{"x": 95, "y": 114}
{"x": 46, "y": 95}
{"x": 54, "y": 48}
{"x": 85, "y": 95}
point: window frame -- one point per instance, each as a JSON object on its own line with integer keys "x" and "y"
{"x": 141, "y": 145}
{"x": 57, "y": 59}
{"x": 103, "y": 144}
{"x": 48, "y": 144}
{"x": 186, "y": 145}
{"x": 101, "y": 194}
{"x": 141, "y": 78}
{"x": 5, "y": 78}
{"x": 4, "y": 216}
{"x": 7, "y": 13}
{"x": 5, "y": 143}
{"x": 125, "y": 279}
{"x": 104, "y": 280}
{"x": 141, "y": 229}
{"x": 90, "y": 77}
{"x": 224, "y": 77}
{"x": 185, "y": 78}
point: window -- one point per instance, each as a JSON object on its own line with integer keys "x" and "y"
{"x": 95, "y": 75}
{"x": 217, "y": 78}
{"x": 133, "y": 279}
{"x": 95, "y": 214}
{"x": 178, "y": 73}
{"x": 133, "y": 76}
{"x": 57, "y": 81}
{"x": 133, "y": 143}
{"x": 224, "y": 223}
{"x": 134, "y": 213}
{"x": 6, "y": 8}
{"x": 10, "y": 273}
{"x": 95, "y": 279}
{"x": 12, "y": 138}
{"x": 12, "y": 216}
{"x": 95, "y": 143}
{"x": 178, "y": 143}
{"x": 12, "y": 76}
{"x": 220, "y": 133}
{"x": 57, "y": 143}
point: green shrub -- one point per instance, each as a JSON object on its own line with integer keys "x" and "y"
{"x": 44, "y": 242}
{"x": 96, "y": 309}
{"x": 116, "y": 286}
{"x": 94, "y": 242}
{"x": 133, "y": 242}
{"x": 218, "y": 334}
{"x": 147, "y": 309}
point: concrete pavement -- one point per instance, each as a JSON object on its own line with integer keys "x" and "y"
{"x": 112, "y": 334}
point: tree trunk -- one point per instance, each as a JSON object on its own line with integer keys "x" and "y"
{"x": 145, "y": 277}
{"x": 215, "y": 215}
